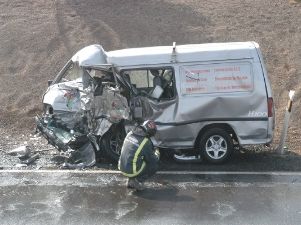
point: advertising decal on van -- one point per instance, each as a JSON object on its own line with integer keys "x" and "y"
{"x": 216, "y": 78}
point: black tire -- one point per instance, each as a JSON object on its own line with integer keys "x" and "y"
{"x": 112, "y": 142}
{"x": 216, "y": 145}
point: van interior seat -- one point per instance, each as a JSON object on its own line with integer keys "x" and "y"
{"x": 158, "y": 81}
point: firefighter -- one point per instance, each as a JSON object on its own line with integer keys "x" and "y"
{"x": 138, "y": 159}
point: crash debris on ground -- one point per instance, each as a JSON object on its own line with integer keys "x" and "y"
{"x": 25, "y": 155}
{"x": 32, "y": 151}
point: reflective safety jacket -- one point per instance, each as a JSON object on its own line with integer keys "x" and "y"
{"x": 137, "y": 151}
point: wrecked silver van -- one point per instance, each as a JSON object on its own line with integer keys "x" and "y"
{"x": 204, "y": 98}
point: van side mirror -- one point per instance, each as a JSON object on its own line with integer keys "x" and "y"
{"x": 49, "y": 82}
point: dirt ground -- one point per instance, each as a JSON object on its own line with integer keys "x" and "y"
{"x": 38, "y": 37}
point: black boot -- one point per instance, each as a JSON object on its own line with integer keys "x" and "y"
{"x": 133, "y": 183}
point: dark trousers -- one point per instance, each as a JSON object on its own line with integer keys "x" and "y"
{"x": 150, "y": 169}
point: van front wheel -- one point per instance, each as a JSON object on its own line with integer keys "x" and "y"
{"x": 216, "y": 145}
{"x": 113, "y": 141}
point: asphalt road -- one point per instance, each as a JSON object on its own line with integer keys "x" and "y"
{"x": 100, "y": 197}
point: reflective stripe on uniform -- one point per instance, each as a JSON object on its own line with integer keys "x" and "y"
{"x": 137, "y": 154}
{"x": 135, "y": 174}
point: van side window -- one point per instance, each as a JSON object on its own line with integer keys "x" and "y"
{"x": 141, "y": 79}
{"x": 156, "y": 83}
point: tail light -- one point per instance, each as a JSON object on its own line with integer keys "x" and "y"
{"x": 270, "y": 107}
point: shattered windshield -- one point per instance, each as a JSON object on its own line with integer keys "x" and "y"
{"x": 72, "y": 73}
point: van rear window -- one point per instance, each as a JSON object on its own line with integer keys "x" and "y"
{"x": 216, "y": 78}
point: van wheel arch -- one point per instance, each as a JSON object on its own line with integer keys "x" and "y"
{"x": 220, "y": 128}
{"x": 223, "y": 126}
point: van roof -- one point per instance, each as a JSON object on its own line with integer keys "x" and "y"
{"x": 94, "y": 55}
{"x": 184, "y": 53}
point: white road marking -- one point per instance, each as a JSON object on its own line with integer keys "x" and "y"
{"x": 273, "y": 173}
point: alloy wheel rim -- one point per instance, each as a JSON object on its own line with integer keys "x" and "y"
{"x": 116, "y": 143}
{"x": 216, "y": 147}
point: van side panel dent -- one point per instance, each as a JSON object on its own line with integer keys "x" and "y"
{"x": 247, "y": 116}
{"x": 245, "y": 111}
{"x": 181, "y": 136}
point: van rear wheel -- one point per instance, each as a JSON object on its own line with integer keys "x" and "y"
{"x": 216, "y": 145}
